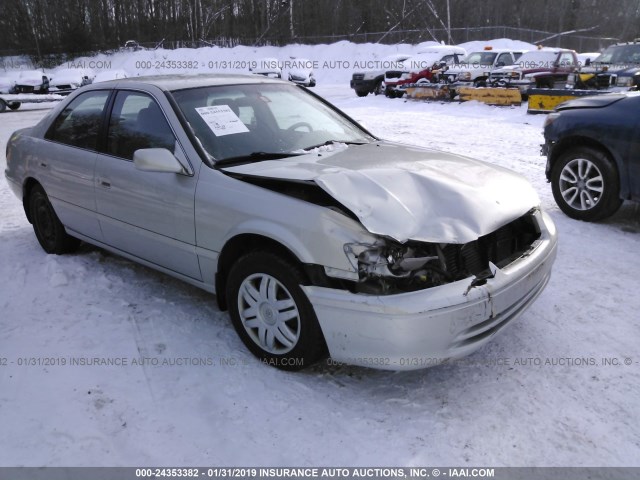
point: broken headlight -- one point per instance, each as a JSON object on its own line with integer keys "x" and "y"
{"x": 384, "y": 267}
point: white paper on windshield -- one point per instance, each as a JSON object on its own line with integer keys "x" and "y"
{"x": 221, "y": 120}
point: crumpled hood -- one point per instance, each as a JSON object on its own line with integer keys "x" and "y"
{"x": 410, "y": 193}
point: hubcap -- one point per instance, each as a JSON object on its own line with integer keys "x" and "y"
{"x": 581, "y": 184}
{"x": 268, "y": 313}
{"x": 44, "y": 220}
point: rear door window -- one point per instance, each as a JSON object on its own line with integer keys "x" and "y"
{"x": 79, "y": 123}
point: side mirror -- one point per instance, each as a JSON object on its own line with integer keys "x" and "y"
{"x": 157, "y": 160}
{"x": 500, "y": 64}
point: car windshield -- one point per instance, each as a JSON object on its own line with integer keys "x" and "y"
{"x": 538, "y": 58}
{"x": 480, "y": 58}
{"x": 262, "y": 121}
{"x": 620, "y": 54}
{"x": 423, "y": 61}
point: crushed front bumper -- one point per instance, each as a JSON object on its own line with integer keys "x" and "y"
{"x": 425, "y": 328}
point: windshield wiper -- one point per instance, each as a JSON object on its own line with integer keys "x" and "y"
{"x": 331, "y": 142}
{"x": 254, "y": 157}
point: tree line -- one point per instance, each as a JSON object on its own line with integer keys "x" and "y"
{"x": 40, "y": 27}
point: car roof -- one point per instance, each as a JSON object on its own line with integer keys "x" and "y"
{"x": 441, "y": 48}
{"x": 552, "y": 49}
{"x": 181, "y": 82}
{"x": 496, "y": 50}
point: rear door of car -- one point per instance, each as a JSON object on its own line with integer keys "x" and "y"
{"x": 147, "y": 214}
{"x": 64, "y": 162}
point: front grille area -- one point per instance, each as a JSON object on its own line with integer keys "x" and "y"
{"x": 24, "y": 89}
{"x": 358, "y": 76}
{"x": 443, "y": 263}
{"x": 500, "y": 248}
{"x": 604, "y": 80}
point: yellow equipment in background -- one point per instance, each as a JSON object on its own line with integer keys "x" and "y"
{"x": 544, "y": 100}
{"x": 491, "y": 95}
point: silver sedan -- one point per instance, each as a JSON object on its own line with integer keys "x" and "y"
{"x": 319, "y": 238}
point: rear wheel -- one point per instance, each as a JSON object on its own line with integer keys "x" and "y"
{"x": 46, "y": 225}
{"x": 586, "y": 185}
{"x": 3, "y": 105}
{"x": 362, "y": 93}
{"x": 14, "y": 105}
{"x": 271, "y": 313}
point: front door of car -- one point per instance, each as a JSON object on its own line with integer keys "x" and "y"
{"x": 634, "y": 153}
{"x": 147, "y": 214}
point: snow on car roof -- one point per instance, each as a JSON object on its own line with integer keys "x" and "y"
{"x": 442, "y": 49}
{"x": 540, "y": 55}
{"x": 71, "y": 74}
{"x": 37, "y": 74}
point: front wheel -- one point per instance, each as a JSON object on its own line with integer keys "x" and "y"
{"x": 47, "y": 226}
{"x": 362, "y": 93}
{"x": 379, "y": 88}
{"x": 271, "y": 313}
{"x": 586, "y": 185}
{"x": 14, "y": 105}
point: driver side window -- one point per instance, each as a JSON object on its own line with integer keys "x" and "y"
{"x": 505, "y": 59}
{"x": 137, "y": 122}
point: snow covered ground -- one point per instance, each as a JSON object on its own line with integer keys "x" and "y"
{"x": 539, "y": 394}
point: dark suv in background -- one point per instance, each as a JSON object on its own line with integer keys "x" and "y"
{"x": 592, "y": 146}
{"x": 617, "y": 68}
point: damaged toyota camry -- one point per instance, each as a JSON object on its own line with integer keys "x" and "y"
{"x": 318, "y": 237}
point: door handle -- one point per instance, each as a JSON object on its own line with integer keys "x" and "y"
{"x": 105, "y": 184}
{"x": 43, "y": 165}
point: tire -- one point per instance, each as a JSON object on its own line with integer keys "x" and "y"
{"x": 14, "y": 105}
{"x": 3, "y": 105}
{"x": 378, "y": 89}
{"x": 585, "y": 184}
{"x": 46, "y": 225}
{"x": 362, "y": 93}
{"x": 286, "y": 336}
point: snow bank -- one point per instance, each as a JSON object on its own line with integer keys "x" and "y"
{"x": 332, "y": 64}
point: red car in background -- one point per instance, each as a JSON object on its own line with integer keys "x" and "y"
{"x": 421, "y": 68}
